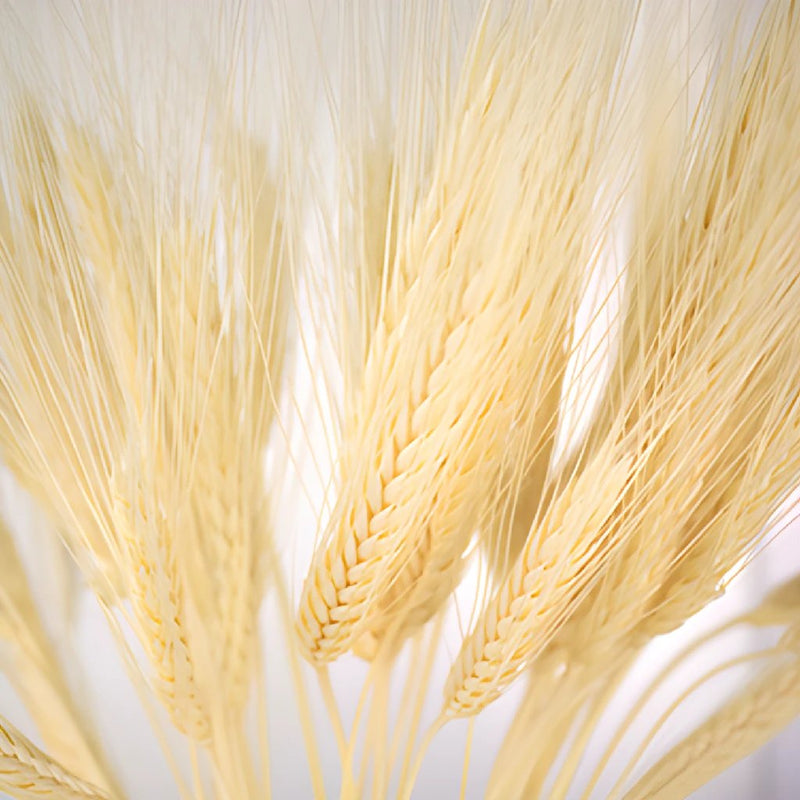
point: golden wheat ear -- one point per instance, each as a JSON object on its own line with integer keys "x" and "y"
{"x": 448, "y": 381}
{"x": 34, "y": 669}
{"x": 767, "y": 704}
{"x": 561, "y": 557}
{"x": 142, "y": 396}
{"x": 683, "y": 287}
{"x": 27, "y": 773}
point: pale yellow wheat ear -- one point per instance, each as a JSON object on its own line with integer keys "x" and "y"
{"x": 79, "y": 434}
{"x": 391, "y": 103}
{"x": 27, "y": 773}
{"x": 675, "y": 306}
{"x": 749, "y": 719}
{"x": 590, "y": 643}
{"x": 687, "y": 309}
{"x": 683, "y": 283}
{"x": 563, "y": 554}
{"x": 31, "y": 664}
{"x": 751, "y": 407}
{"x": 149, "y": 319}
{"x": 452, "y": 364}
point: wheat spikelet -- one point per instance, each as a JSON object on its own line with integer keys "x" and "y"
{"x": 158, "y": 596}
{"x": 412, "y": 494}
{"x": 556, "y": 564}
{"x": 27, "y": 773}
{"x": 228, "y": 501}
{"x": 746, "y": 722}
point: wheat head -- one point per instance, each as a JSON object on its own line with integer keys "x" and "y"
{"x": 741, "y": 726}
{"x": 426, "y": 435}
{"x": 556, "y": 565}
{"x": 27, "y": 773}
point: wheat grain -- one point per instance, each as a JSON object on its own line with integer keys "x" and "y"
{"x": 158, "y": 595}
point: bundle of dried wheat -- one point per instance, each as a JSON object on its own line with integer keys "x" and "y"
{"x": 508, "y": 294}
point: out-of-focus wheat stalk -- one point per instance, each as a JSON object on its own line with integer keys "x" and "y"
{"x": 766, "y": 705}
{"x": 144, "y": 394}
{"x": 35, "y": 670}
